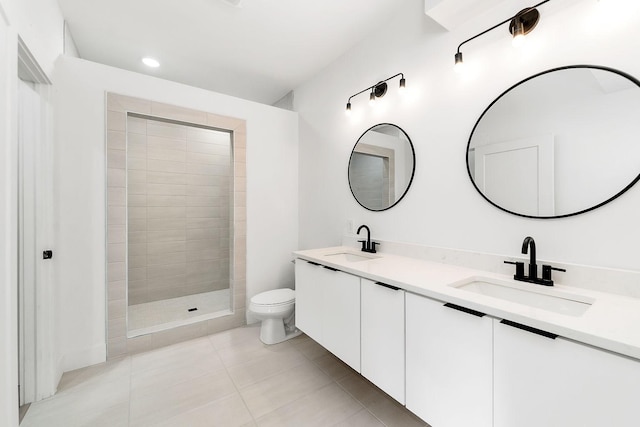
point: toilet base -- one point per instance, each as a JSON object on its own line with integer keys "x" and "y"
{"x": 273, "y": 332}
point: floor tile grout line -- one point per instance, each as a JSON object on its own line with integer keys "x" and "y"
{"x": 234, "y": 384}
{"x": 361, "y": 403}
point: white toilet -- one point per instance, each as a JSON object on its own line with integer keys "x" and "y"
{"x": 276, "y": 309}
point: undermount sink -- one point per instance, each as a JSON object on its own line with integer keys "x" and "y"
{"x": 350, "y": 257}
{"x": 545, "y": 299}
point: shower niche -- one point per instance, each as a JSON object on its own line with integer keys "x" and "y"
{"x": 176, "y": 224}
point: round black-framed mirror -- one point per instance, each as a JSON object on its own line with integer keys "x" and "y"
{"x": 381, "y": 167}
{"x": 559, "y": 143}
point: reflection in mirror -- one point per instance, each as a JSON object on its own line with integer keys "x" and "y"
{"x": 381, "y": 167}
{"x": 559, "y": 143}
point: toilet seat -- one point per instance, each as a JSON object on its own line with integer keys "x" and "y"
{"x": 276, "y": 297}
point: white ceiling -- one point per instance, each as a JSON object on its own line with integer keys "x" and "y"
{"x": 258, "y": 51}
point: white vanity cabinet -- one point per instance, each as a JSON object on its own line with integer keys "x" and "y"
{"x": 540, "y": 381}
{"x": 449, "y": 364}
{"x": 328, "y": 309}
{"x": 382, "y": 341}
{"x": 309, "y": 299}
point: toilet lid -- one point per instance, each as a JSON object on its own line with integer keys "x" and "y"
{"x": 277, "y": 296}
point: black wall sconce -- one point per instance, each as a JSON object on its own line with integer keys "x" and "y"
{"x": 520, "y": 24}
{"x": 378, "y": 90}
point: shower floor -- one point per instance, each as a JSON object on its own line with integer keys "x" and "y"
{"x": 156, "y": 316}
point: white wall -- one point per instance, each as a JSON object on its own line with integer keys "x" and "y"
{"x": 272, "y": 191}
{"x": 39, "y": 23}
{"x": 442, "y": 208}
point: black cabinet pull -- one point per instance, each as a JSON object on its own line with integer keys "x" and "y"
{"x": 313, "y": 263}
{"x": 529, "y": 329}
{"x": 395, "y": 288}
{"x": 465, "y": 310}
{"x": 330, "y": 268}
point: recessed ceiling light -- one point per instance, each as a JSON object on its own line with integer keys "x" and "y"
{"x": 150, "y": 62}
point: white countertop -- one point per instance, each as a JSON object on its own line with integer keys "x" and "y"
{"x": 611, "y": 323}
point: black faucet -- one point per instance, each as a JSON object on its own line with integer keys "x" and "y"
{"x": 533, "y": 267}
{"x": 367, "y": 245}
{"x": 529, "y": 246}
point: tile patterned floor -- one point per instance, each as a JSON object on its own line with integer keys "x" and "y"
{"x": 227, "y": 379}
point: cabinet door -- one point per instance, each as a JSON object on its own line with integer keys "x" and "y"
{"x": 309, "y": 299}
{"x": 541, "y": 381}
{"x": 449, "y": 364}
{"x": 341, "y": 315}
{"x": 382, "y": 343}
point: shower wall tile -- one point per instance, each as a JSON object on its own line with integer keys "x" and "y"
{"x": 139, "y": 344}
{"x": 135, "y": 188}
{"x": 166, "y": 166}
{"x": 116, "y": 252}
{"x": 117, "y": 347}
{"x": 204, "y": 169}
{"x": 194, "y": 234}
{"x": 179, "y": 113}
{"x": 117, "y": 215}
{"x": 167, "y": 258}
{"x": 116, "y": 140}
{"x": 167, "y": 235}
{"x": 136, "y": 176}
{"x": 166, "y": 178}
{"x": 166, "y": 189}
{"x": 209, "y": 148}
{"x": 167, "y": 270}
{"x": 160, "y": 200}
{"x": 116, "y": 177}
{"x": 136, "y": 200}
{"x": 180, "y": 181}
{"x": 165, "y": 143}
{"x": 117, "y": 290}
{"x": 164, "y": 154}
{"x": 155, "y": 248}
{"x": 116, "y": 310}
{"x": 167, "y": 130}
{"x": 203, "y": 212}
{"x": 155, "y": 224}
{"x": 137, "y": 273}
{"x": 207, "y": 135}
{"x": 117, "y": 159}
{"x": 116, "y": 121}
{"x": 201, "y": 201}
{"x": 136, "y": 164}
{"x": 170, "y": 281}
{"x": 136, "y": 125}
{"x": 166, "y": 212}
{"x": 116, "y": 271}
{"x": 116, "y": 234}
{"x": 118, "y": 329}
{"x": 137, "y": 236}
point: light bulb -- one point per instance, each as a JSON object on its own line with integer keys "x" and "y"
{"x": 372, "y": 99}
{"x": 348, "y": 110}
{"x": 402, "y": 89}
{"x": 518, "y": 35}
{"x": 150, "y": 62}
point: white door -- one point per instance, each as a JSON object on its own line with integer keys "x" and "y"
{"x": 37, "y": 375}
{"x": 518, "y": 175}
